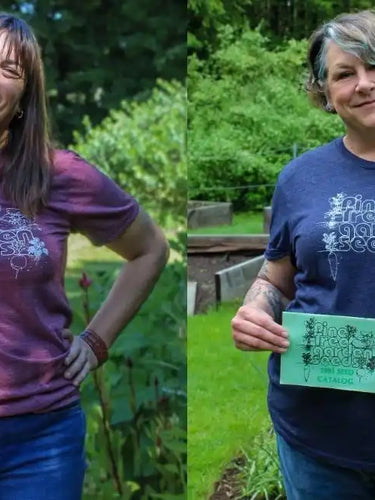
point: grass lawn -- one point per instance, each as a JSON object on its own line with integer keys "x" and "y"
{"x": 227, "y": 398}
{"x": 243, "y": 223}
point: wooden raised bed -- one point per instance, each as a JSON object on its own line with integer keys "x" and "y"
{"x": 209, "y": 213}
{"x": 215, "y": 243}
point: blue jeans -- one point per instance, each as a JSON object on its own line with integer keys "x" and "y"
{"x": 42, "y": 455}
{"x": 306, "y": 478}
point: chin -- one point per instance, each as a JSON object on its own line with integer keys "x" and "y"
{"x": 366, "y": 124}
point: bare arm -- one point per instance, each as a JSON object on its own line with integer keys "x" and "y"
{"x": 255, "y": 326}
{"x": 145, "y": 248}
{"x": 273, "y": 288}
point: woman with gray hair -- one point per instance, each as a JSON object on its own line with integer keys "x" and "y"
{"x": 325, "y": 437}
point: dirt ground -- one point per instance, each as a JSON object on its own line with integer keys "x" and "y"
{"x": 227, "y": 487}
{"x": 202, "y": 269}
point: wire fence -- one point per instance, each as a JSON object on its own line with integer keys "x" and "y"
{"x": 231, "y": 188}
{"x": 265, "y": 190}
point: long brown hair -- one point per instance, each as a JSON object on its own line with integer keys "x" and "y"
{"x": 28, "y": 152}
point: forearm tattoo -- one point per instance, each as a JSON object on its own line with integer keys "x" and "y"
{"x": 263, "y": 272}
{"x": 272, "y": 296}
{"x": 263, "y": 292}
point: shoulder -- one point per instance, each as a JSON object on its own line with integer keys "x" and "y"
{"x": 309, "y": 163}
{"x": 72, "y": 171}
{"x": 67, "y": 161}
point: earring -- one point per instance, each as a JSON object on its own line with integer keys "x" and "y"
{"x": 19, "y": 115}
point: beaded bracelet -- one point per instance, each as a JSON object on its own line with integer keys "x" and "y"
{"x": 97, "y": 345}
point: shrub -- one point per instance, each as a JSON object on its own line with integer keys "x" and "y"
{"x": 141, "y": 146}
{"x": 247, "y": 109}
{"x": 136, "y": 403}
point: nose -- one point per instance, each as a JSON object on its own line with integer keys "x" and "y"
{"x": 366, "y": 80}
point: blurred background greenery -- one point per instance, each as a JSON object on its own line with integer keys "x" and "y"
{"x": 98, "y": 53}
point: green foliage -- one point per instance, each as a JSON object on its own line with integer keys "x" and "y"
{"x": 141, "y": 146}
{"x": 260, "y": 476}
{"x": 206, "y": 17}
{"x": 279, "y": 19}
{"x": 243, "y": 223}
{"x": 142, "y": 398}
{"x": 99, "y": 52}
{"x": 247, "y": 108}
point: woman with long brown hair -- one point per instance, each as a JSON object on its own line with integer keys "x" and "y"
{"x": 45, "y": 194}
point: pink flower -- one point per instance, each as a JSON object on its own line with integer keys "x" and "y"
{"x": 85, "y": 281}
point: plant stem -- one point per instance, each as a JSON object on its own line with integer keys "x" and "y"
{"x": 104, "y": 403}
{"x": 99, "y": 383}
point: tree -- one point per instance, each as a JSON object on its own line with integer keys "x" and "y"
{"x": 99, "y": 52}
{"x": 277, "y": 19}
{"x": 248, "y": 115}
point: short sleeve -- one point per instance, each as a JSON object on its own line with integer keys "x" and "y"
{"x": 279, "y": 243}
{"x": 97, "y": 206}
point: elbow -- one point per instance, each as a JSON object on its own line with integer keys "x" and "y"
{"x": 164, "y": 252}
{"x": 161, "y": 251}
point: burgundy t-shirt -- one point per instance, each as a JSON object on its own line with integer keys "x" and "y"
{"x": 33, "y": 305}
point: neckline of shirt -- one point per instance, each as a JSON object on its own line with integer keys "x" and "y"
{"x": 368, "y": 164}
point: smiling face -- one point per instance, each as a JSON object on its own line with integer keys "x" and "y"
{"x": 12, "y": 85}
{"x": 350, "y": 88}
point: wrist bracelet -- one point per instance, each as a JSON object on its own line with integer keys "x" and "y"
{"x": 97, "y": 345}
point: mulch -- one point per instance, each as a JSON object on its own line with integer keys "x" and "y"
{"x": 227, "y": 488}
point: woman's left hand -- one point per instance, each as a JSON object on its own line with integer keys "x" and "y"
{"x": 80, "y": 359}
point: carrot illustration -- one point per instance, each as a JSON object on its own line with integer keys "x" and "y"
{"x": 333, "y": 264}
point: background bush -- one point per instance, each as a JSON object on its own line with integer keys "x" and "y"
{"x": 141, "y": 146}
{"x": 247, "y": 109}
{"x": 136, "y": 404}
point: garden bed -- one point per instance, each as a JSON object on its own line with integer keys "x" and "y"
{"x": 228, "y": 485}
{"x": 209, "y": 213}
{"x": 202, "y": 269}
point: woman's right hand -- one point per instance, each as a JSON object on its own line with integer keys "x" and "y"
{"x": 255, "y": 330}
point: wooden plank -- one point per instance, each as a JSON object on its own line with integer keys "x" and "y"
{"x": 204, "y": 243}
{"x": 214, "y": 214}
{"x": 266, "y": 219}
{"x": 191, "y": 297}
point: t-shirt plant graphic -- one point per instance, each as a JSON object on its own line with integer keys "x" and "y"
{"x": 308, "y": 337}
{"x": 360, "y": 343}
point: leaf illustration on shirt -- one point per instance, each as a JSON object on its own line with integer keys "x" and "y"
{"x": 18, "y": 247}
{"x": 16, "y": 218}
{"x": 336, "y": 211}
{"x": 331, "y": 245}
{"x": 37, "y": 248}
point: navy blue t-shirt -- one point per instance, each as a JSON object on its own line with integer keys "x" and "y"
{"x": 323, "y": 216}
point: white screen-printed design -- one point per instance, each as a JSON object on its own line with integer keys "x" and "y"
{"x": 351, "y": 226}
{"x": 18, "y": 240}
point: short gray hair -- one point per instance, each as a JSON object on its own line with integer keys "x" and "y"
{"x": 353, "y": 33}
